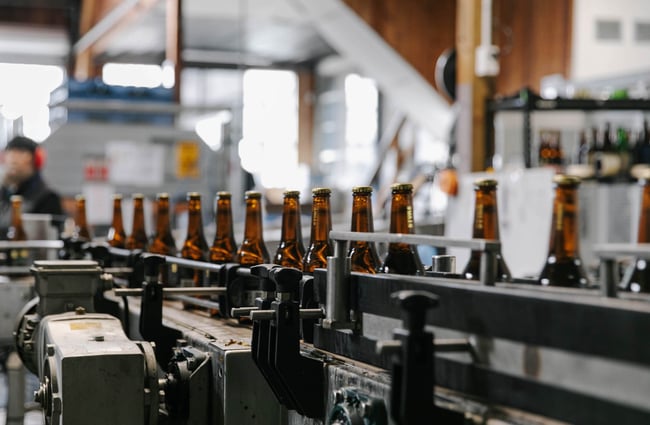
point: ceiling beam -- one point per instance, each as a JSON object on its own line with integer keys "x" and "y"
{"x": 99, "y": 21}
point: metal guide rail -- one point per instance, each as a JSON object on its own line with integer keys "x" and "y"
{"x": 584, "y": 327}
{"x": 565, "y": 339}
{"x": 29, "y": 245}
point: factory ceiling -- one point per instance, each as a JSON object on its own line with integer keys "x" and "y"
{"x": 214, "y": 32}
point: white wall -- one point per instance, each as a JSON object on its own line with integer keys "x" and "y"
{"x": 594, "y": 59}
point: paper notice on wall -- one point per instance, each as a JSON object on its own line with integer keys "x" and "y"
{"x": 132, "y": 163}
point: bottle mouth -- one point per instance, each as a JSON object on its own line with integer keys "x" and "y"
{"x": 401, "y": 187}
{"x": 321, "y": 191}
{"x": 361, "y": 190}
{"x": 251, "y": 194}
{"x": 224, "y": 195}
{"x": 566, "y": 180}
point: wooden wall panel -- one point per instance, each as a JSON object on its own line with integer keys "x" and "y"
{"x": 535, "y": 40}
{"x": 420, "y": 30}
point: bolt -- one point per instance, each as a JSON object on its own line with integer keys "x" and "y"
{"x": 80, "y": 310}
{"x": 98, "y": 338}
{"x": 28, "y": 347}
{"x": 32, "y": 321}
{"x": 39, "y": 395}
{"x": 339, "y": 397}
{"x": 50, "y": 349}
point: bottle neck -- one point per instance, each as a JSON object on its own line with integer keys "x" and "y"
{"x": 138, "y": 217}
{"x": 401, "y": 213}
{"x": 80, "y": 214}
{"x": 253, "y": 225}
{"x": 361, "y": 213}
{"x": 16, "y": 217}
{"x": 194, "y": 221}
{"x": 290, "y": 220}
{"x": 321, "y": 219}
{"x": 564, "y": 230}
{"x": 224, "y": 222}
{"x": 117, "y": 224}
{"x": 486, "y": 220}
{"x": 643, "y": 234}
{"x": 163, "y": 226}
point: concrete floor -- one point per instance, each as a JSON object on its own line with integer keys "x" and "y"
{"x": 33, "y": 417}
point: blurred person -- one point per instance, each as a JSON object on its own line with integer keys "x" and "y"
{"x": 23, "y": 160}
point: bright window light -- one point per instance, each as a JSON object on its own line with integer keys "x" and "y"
{"x": 132, "y": 75}
{"x": 210, "y": 129}
{"x": 269, "y": 148}
{"x": 25, "y": 92}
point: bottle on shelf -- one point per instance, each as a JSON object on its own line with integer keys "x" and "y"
{"x": 486, "y": 226}
{"x": 224, "y": 247}
{"x": 623, "y": 151}
{"x": 321, "y": 225}
{"x": 16, "y": 233}
{"x": 138, "y": 237}
{"x": 116, "y": 235}
{"x": 563, "y": 265}
{"x": 550, "y": 150}
{"x": 253, "y": 250}
{"x": 195, "y": 246}
{"x": 291, "y": 250}
{"x": 363, "y": 255}
{"x": 637, "y": 276}
{"x": 402, "y": 257}
{"x": 82, "y": 230}
{"x": 607, "y": 162}
{"x": 163, "y": 242}
{"x": 641, "y": 154}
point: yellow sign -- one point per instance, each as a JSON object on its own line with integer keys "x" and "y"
{"x": 82, "y": 326}
{"x": 188, "y": 155}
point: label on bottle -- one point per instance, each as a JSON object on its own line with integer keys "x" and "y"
{"x": 479, "y": 217}
{"x": 559, "y": 216}
{"x": 409, "y": 217}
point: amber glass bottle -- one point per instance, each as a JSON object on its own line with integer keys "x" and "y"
{"x": 363, "y": 255}
{"x": 82, "y": 230}
{"x": 224, "y": 247}
{"x": 401, "y": 257}
{"x": 638, "y": 279}
{"x": 563, "y": 265}
{"x": 486, "y": 226}
{"x": 195, "y": 247}
{"x": 138, "y": 237}
{"x": 16, "y": 232}
{"x": 291, "y": 250}
{"x": 163, "y": 242}
{"x": 116, "y": 236}
{"x": 253, "y": 250}
{"x": 321, "y": 225}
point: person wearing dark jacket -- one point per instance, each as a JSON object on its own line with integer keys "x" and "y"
{"x": 23, "y": 160}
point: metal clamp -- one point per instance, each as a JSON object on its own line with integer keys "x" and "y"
{"x": 297, "y": 381}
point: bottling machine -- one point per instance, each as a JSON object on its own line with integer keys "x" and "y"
{"x": 112, "y": 342}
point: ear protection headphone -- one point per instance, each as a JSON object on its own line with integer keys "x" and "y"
{"x": 39, "y": 158}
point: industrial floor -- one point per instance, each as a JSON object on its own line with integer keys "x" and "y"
{"x": 33, "y": 417}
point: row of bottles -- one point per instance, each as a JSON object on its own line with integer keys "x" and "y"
{"x": 608, "y": 155}
{"x": 563, "y": 266}
{"x": 401, "y": 257}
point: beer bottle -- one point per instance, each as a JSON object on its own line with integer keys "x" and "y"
{"x": 16, "y": 232}
{"x": 401, "y": 257}
{"x": 486, "y": 226}
{"x": 138, "y": 237}
{"x": 253, "y": 250}
{"x": 563, "y": 265}
{"x": 163, "y": 242}
{"x": 638, "y": 278}
{"x": 116, "y": 235}
{"x": 224, "y": 247}
{"x": 195, "y": 247}
{"x": 363, "y": 255}
{"x": 321, "y": 225}
{"x": 291, "y": 250}
{"x": 82, "y": 231}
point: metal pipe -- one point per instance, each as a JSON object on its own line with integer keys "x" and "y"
{"x": 130, "y": 292}
{"x": 338, "y": 297}
{"x": 609, "y": 277}
{"x": 477, "y": 244}
{"x": 16, "y": 393}
{"x": 102, "y": 27}
{"x": 200, "y": 302}
{"x": 443, "y": 263}
{"x": 242, "y": 311}
{"x": 488, "y": 271}
{"x": 33, "y": 244}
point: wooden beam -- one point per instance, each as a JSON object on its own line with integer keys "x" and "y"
{"x": 306, "y": 96}
{"x": 174, "y": 42}
{"x": 471, "y": 91}
{"x": 97, "y": 12}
